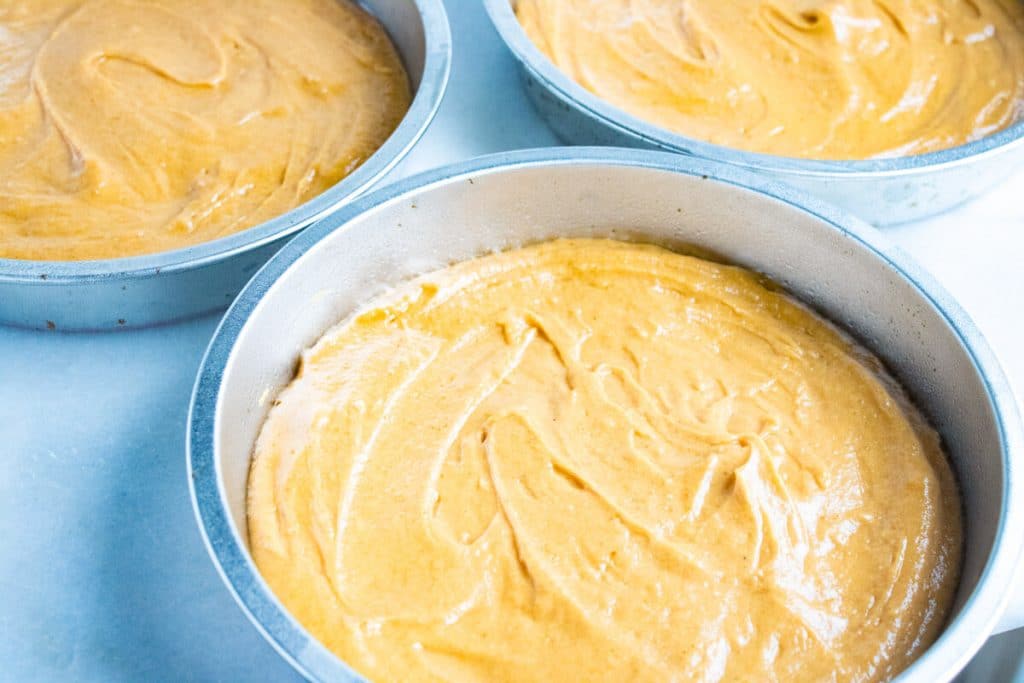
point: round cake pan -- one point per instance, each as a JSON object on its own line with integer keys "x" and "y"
{"x": 837, "y": 264}
{"x": 158, "y": 288}
{"x": 882, "y": 191}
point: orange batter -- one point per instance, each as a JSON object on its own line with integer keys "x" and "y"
{"x": 825, "y": 79}
{"x": 137, "y": 126}
{"x": 595, "y": 461}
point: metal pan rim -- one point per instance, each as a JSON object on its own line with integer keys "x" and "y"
{"x": 960, "y": 639}
{"x": 426, "y": 101}
{"x": 575, "y": 95}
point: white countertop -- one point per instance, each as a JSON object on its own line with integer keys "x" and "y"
{"x": 104, "y": 576}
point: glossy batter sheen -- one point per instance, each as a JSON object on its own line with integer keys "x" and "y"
{"x": 594, "y": 461}
{"x": 826, "y": 79}
{"x": 137, "y": 126}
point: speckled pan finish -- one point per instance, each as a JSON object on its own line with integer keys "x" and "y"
{"x": 158, "y": 288}
{"x": 847, "y": 270}
{"x": 881, "y": 191}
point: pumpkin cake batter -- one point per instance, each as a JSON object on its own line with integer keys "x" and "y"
{"x": 823, "y": 79}
{"x": 594, "y": 461}
{"x": 137, "y": 126}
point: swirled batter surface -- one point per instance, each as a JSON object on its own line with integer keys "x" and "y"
{"x": 137, "y": 126}
{"x": 596, "y": 461}
{"x": 827, "y": 79}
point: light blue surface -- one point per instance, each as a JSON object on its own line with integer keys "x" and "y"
{"x": 103, "y": 575}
